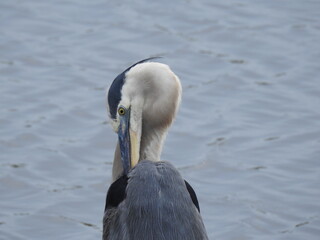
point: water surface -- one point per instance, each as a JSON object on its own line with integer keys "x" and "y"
{"x": 247, "y": 136}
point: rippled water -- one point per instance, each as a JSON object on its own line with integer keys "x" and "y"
{"x": 247, "y": 136}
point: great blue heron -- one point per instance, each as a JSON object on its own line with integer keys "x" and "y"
{"x": 148, "y": 198}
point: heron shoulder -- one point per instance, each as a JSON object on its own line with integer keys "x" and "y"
{"x": 157, "y": 198}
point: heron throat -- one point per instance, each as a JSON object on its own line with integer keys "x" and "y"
{"x": 151, "y": 143}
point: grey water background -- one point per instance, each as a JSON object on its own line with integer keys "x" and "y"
{"x": 247, "y": 136}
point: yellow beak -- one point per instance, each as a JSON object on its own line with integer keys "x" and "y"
{"x": 134, "y": 148}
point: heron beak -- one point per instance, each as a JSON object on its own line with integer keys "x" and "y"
{"x": 124, "y": 142}
{"x": 129, "y": 144}
{"x": 134, "y": 147}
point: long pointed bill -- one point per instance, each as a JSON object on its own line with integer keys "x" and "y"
{"x": 135, "y": 147}
{"x": 124, "y": 142}
{"x": 129, "y": 144}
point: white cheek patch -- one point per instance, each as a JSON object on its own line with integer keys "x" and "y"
{"x": 115, "y": 124}
{"x": 132, "y": 97}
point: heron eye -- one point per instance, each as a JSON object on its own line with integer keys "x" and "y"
{"x": 121, "y": 111}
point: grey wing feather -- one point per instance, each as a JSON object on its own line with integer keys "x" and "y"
{"x": 157, "y": 207}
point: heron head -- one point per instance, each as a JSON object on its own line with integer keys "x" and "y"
{"x": 142, "y": 99}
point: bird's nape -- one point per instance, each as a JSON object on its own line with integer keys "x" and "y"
{"x": 114, "y": 93}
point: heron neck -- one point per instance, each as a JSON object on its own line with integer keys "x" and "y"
{"x": 151, "y": 143}
{"x": 150, "y": 148}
